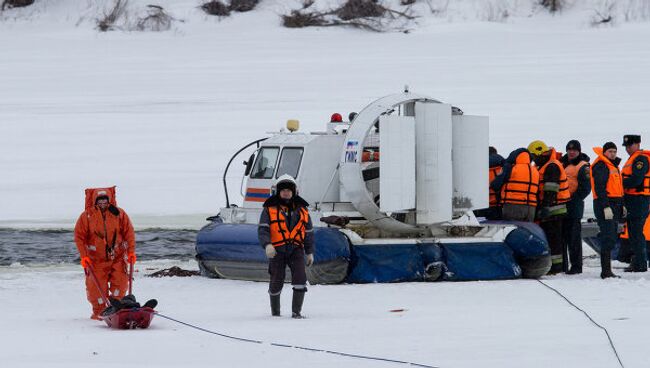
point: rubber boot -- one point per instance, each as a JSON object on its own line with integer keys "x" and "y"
{"x": 151, "y": 303}
{"x": 296, "y": 303}
{"x": 632, "y": 268}
{"x": 97, "y": 313}
{"x": 606, "y": 266}
{"x": 574, "y": 270}
{"x": 275, "y": 305}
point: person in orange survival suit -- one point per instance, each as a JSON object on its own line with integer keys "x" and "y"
{"x": 106, "y": 242}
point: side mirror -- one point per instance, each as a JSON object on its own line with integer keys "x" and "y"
{"x": 249, "y": 164}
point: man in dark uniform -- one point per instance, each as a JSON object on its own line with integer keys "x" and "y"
{"x": 286, "y": 234}
{"x": 608, "y": 202}
{"x": 576, "y": 166}
{"x": 636, "y": 185}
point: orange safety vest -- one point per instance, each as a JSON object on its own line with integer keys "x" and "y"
{"x": 646, "y": 231}
{"x": 572, "y": 172}
{"x": 522, "y": 186}
{"x": 280, "y": 234}
{"x": 563, "y": 194}
{"x": 494, "y": 171}
{"x": 627, "y": 172}
{"x": 614, "y": 182}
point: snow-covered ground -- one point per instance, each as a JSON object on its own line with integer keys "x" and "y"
{"x": 520, "y": 323}
{"x": 160, "y": 114}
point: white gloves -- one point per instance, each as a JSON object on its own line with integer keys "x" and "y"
{"x": 270, "y": 251}
{"x": 609, "y": 215}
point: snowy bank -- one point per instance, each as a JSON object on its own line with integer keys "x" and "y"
{"x": 159, "y": 114}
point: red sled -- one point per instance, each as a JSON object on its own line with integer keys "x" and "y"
{"x": 127, "y": 318}
{"x": 130, "y": 319}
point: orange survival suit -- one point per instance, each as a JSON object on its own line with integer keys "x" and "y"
{"x": 106, "y": 243}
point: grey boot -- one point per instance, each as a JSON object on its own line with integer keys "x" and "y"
{"x": 296, "y": 303}
{"x": 275, "y": 305}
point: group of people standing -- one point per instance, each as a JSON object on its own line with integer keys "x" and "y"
{"x": 539, "y": 184}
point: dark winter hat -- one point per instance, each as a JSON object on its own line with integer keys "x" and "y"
{"x": 493, "y": 151}
{"x": 573, "y": 145}
{"x": 609, "y": 145}
{"x": 630, "y": 139}
{"x": 286, "y": 185}
{"x": 102, "y": 194}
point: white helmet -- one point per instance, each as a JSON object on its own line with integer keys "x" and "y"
{"x": 285, "y": 181}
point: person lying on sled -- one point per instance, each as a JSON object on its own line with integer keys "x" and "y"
{"x": 128, "y": 302}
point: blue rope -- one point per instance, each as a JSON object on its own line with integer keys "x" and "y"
{"x": 358, "y": 356}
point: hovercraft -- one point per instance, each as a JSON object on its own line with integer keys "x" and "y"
{"x": 391, "y": 194}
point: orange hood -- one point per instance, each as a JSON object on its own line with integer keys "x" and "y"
{"x": 93, "y": 193}
{"x": 523, "y": 158}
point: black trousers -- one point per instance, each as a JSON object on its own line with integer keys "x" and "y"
{"x": 625, "y": 251}
{"x": 572, "y": 241}
{"x": 553, "y": 230}
{"x": 637, "y": 212}
{"x": 607, "y": 235}
{"x": 608, "y": 229}
{"x": 291, "y": 256}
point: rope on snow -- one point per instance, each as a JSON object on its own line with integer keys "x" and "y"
{"x": 611, "y": 343}
{"x": 349, "y": 355}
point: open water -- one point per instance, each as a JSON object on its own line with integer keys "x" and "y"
{"x": 44, "y": 247}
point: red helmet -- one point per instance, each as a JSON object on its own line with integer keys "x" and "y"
{"x": 336, "y": 118}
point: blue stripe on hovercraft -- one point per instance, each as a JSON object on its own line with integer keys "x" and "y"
{"x": 257, "y": 195}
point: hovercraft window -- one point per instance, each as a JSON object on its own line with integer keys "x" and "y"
{"x": 290, "y": 162}
{"x": 265, "y": 163}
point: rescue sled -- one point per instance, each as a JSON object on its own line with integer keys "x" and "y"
{"x": 391, "y": 195}
{"x": 126, "y": 318}
{"x": 129, "y": 319}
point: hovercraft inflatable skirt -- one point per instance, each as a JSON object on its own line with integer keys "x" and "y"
{"x": 232, "y": 251}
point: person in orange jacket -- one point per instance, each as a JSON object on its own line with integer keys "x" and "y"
{"x": 286, "y": 233}
{"x": 636, "y": 185}
{"x": 518, "y": 185}
{"x": 607, "y": 190}
{"x": 493, "y": 212}
{"x": 552, "y": 197}
{"x": 106, "y": 242}
{"x": 576, "y": 167}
